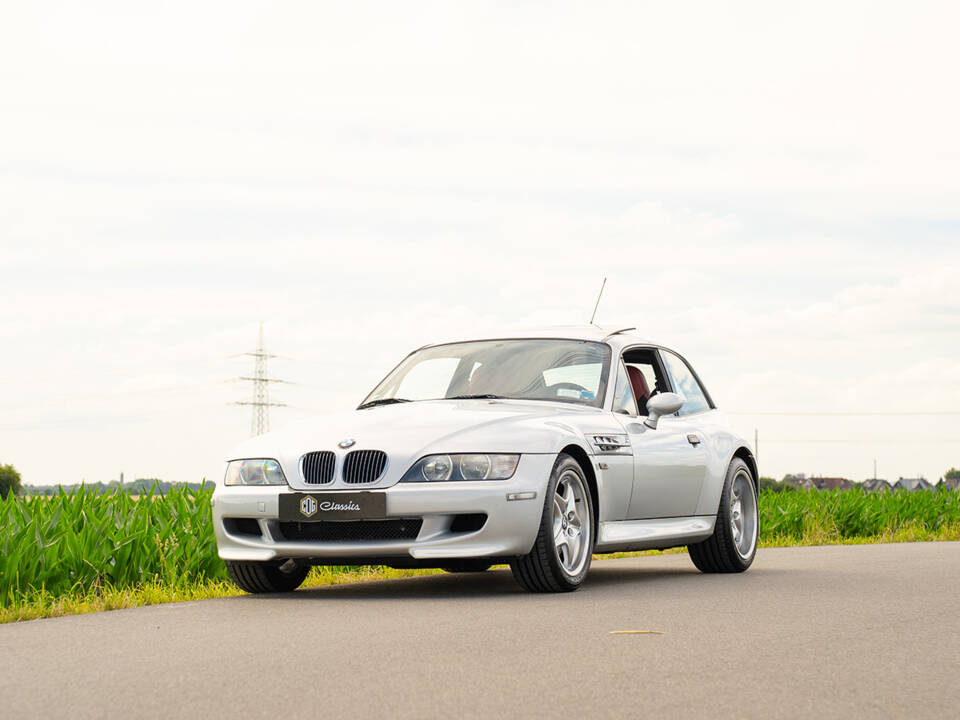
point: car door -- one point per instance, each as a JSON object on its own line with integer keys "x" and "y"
{"x": 669, "y": 462}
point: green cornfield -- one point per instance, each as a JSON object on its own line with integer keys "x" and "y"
{"x": 79, "y": 540}
{"x": 835, "y": 515}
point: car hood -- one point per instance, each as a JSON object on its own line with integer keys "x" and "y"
{"x": 408, "y": 431}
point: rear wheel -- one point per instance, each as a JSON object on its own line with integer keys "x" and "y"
{"x": 561, "y": 554}
{"x": 256, "y": 577}
{"x": 467, "y": 566}
{"x": 733, "y": 544}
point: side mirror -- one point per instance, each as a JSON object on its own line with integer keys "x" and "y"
{"x": 660, "y": 405}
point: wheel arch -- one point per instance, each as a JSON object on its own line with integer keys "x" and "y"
{"x": 744, "y": 453}
{"x": 583, "y": 460}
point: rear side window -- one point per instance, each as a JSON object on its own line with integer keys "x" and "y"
{"x": 685, "y": 384}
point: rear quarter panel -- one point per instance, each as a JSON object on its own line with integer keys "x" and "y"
{"x": 720, "y": 444}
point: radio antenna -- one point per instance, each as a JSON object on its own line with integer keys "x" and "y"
{"x": 598, "y": 301}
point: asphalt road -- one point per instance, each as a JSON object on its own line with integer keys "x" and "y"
{"x": 856, "y": 631}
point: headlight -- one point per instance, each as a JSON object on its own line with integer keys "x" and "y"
{"x": 254, "y": 472}
{"x": 467, "y": 466}
{"x": 437, "y": 467}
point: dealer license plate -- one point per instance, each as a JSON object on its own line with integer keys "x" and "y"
{"x": 317, "y": 507}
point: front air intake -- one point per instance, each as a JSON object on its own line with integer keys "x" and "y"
{"x": 242, "y": 526}
{"x": 364, "y": 466}
{"x": 353, "y": 530}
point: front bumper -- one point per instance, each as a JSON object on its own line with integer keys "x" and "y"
{"x": 509, "y": 530}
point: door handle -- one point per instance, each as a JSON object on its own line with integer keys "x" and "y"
{"x": 693, "y": 439}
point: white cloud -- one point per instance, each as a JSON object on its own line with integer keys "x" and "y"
{"x": 770, "y": 191}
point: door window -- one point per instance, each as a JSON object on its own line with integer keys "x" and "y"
{"x": 685, "y": 384}
{"x": 646, "y": 377}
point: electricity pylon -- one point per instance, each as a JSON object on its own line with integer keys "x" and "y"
{"x": 260, "y": 417}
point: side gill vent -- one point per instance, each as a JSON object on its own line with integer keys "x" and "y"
{"x": 612, "y": 444}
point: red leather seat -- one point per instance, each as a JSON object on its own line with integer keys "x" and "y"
{"x": 640, "y": 389}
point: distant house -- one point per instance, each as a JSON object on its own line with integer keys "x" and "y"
{"x": 876, "y": 485}
{"x": 912, "y": 484}
{"x": 802, "y": 482}
{"x": 832, "y": 483}
{"x": 949, "y": 484}
{"x": 795, "y": 480}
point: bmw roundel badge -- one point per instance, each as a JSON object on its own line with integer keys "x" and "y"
{"x": 349, "y": 442}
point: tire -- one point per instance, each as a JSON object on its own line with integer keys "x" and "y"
{"x": 256, "y": 577}
{"x": 560, "y": 559}
{"x": 732, "y": 546}
{"x": 467, "y": 566}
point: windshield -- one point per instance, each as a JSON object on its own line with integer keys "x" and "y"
{"x": 570, "y": 371}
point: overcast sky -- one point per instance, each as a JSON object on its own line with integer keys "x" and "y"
{"x": 773, "y": 190}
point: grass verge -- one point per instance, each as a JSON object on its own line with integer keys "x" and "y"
{"x": 42, "y": 604}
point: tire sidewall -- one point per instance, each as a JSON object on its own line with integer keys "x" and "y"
{"x": 725, "y": 515}
{"x": 563, "y": 464}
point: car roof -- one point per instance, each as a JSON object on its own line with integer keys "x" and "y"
{"x": 617, "y": 337}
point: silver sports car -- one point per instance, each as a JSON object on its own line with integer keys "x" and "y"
{"x": 536, "y": 449}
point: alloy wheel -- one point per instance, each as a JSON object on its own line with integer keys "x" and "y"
{"x": 743, "y": 515}
{"x": 571, "y": 523}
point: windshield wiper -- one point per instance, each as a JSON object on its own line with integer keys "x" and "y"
{"x": 484, "y": 396}
{"x": 383, "y": 401}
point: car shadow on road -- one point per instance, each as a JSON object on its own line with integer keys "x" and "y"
{"x": 493, "y": 584}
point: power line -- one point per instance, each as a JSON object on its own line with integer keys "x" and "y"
{"x": 260, "y": 404}
{"x": 849, "y": 414}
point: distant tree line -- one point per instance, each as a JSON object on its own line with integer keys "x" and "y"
{"x": 140, "y": 486}
{"x": 791, "y": 483}
{"x": 10, "y": 481}
{"x": 769, "y": 484}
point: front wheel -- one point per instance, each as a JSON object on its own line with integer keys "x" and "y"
{"x": 733, "y": 544}
{"x": 258, "y": 577}
{"x": 561, "y": 554}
